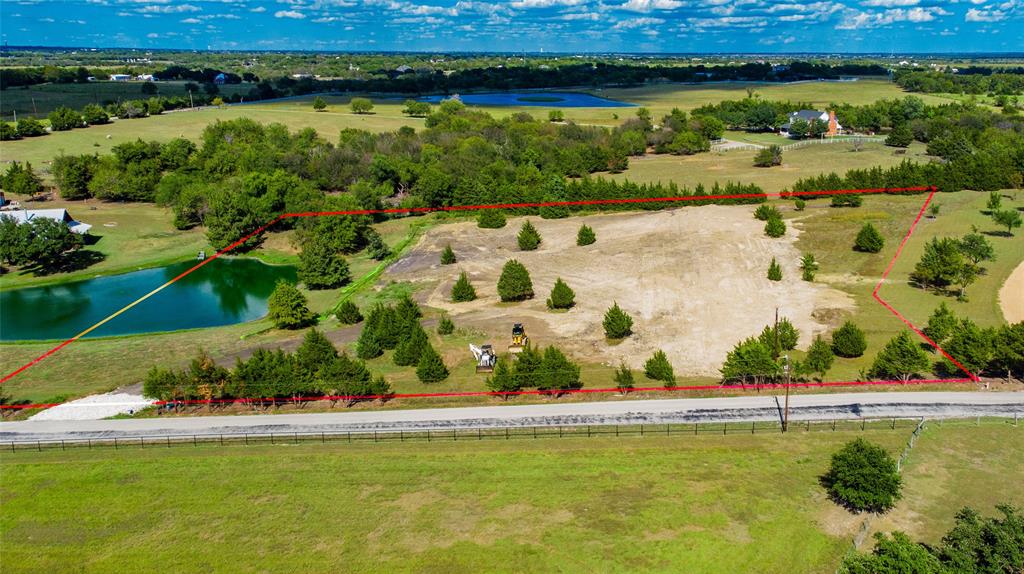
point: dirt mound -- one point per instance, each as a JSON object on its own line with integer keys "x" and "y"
{"x": 694, "y": 280}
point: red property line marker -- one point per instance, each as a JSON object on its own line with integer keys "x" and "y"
{"x": 686, "y": 198}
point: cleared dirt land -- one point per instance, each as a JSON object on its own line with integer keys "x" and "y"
{"x": 1011, "y": 296}
{"x": 694, "y": 280}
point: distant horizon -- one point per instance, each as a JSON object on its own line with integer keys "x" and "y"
{"x": 524, "y": 26}
{"x": 986, "y": 54}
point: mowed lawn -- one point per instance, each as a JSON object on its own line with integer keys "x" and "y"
{"x": 957, "y": 464}
{"x": 124, "y": 237}
{"x": 738, "y": 165}
{"x": 828, "y": 233}
{"x": 738, "y": 503}
{"x": 296, "y": 114}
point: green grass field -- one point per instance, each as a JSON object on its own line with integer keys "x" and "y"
{"x": 828, "y": 233}
{"x": 738, "y": 165}
{"x": 738, "y": 503}
{"x": 387, "y": 116}
{"x": 956, "y": 464}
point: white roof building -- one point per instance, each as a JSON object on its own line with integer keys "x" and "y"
{"x": 26, "y": 215}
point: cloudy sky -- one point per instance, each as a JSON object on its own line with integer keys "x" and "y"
{"x": 523, "y": 25}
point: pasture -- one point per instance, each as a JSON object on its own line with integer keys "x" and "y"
{"x": 709, "y": 503}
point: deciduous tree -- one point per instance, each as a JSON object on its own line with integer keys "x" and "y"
{"x": 863, "y": 477}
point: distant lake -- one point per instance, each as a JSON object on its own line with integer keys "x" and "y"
{"x": 225, "y": 291}
{"x": 546, "y": 99}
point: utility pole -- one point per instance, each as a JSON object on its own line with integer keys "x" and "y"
{"x": 190, "y": 103}
{"x": 785, "y": 415}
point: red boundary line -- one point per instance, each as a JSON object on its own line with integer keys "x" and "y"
{"x": 875, "y": 294}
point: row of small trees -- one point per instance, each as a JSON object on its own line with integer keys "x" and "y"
{"x": 398, "y": 327}
{"x": 268, "y": 377}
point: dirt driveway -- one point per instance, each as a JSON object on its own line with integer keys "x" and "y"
{"x": 692, "y": 278}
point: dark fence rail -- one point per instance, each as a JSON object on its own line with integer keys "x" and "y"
{"x": 460, "y": 434}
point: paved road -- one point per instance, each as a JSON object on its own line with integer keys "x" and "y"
{"x": 626, "y": 411}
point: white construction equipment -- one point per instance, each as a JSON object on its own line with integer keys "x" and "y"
{"x": 485, "y": 358}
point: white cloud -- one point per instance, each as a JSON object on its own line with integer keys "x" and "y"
{"x": 649, "y": 5}
{"x": 637, "y": 23}
{"x": 293, "y": 14}
{"x": 890, "y": 3}
{"x": 47, "y": 20}
{"x": 152, "y": 35}
{"x": 168, "y": 9}
{"x": 545, "y": 3}
{"x": 191, "y": 21}
{"x": 259, "y": 9}
{"x": 577, "y": 16}
{"x": 855, "y": 20}
{"x": 975, "y": 15}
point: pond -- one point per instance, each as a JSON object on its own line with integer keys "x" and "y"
{"x": 546, "y": 99}
{"x": 225, "y": 291}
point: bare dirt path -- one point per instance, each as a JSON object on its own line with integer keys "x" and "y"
{"x": 694, "y": 280}
{"x": 1011, "y": 296}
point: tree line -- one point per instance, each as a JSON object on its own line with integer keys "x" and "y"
{"x": 267, "y": 377}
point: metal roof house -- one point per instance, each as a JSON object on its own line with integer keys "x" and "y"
{"x": 27, "y": 215}
{"x": 829, "y": 118}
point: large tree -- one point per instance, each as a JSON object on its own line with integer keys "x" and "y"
{"x": 557, "y": 372}
{"x": 321, "y": 265}
{"x": 287, "y": 307}
{"x": 750, "y": 361}
{"x": 514, "y": 283}
{"x": 863, "y": 477}
{"x": 901, "y": 359}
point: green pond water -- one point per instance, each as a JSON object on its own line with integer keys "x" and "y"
{"x": 225, "y": 291}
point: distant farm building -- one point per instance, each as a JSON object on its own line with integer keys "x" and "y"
{"x": 145, "y": 78}
{"x": 25, "y": 216}
{"x": 119, "y": 77}
{"x": 829, "y": 118}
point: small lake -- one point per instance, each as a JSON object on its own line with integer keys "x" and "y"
{"x": 225, "y": 291}
{"x": 546, "y": 99}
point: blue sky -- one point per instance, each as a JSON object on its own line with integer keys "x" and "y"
{"x": 523, "y": 25}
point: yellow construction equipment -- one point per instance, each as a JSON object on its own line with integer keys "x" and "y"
{"x": 519, "y": 338}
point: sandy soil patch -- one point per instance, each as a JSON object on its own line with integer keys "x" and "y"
{"x": 95, "y": 407}
{"x": 1011, "y": 296}
{"x": 692, "y": 278}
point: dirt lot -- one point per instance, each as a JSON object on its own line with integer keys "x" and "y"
{"x": 693, "y": 279}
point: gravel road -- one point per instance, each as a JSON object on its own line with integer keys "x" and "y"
{"x": 628, "y": 411}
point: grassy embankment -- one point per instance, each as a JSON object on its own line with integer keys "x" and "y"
{"x": 738, "y": 503}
